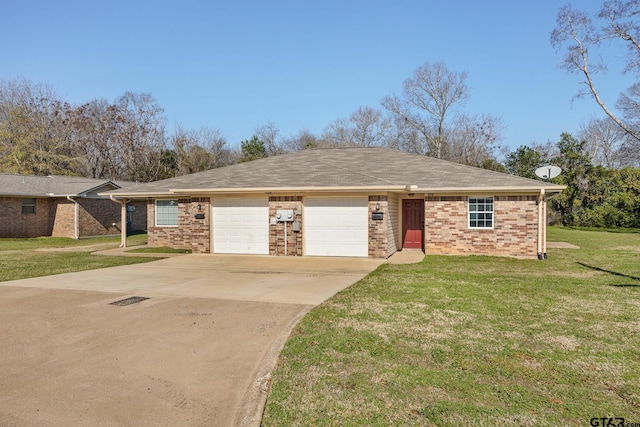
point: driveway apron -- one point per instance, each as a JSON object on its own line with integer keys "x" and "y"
{"x": 199, "y": 351}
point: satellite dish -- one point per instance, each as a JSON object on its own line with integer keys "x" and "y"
{"x": 548, "y": 171}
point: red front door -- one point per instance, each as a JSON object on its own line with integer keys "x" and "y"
{"x": 412, "y": 223}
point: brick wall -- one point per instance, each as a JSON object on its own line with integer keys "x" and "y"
{"x": 514, "y": 233}
{"x": 191, "y": 233}
{"x": 13, "y": 223}
{"x": 62, "y": 213}
{"x": 97, "y": 216}
{"x": 277, "y": 231}
{"x": 378, "y": 229}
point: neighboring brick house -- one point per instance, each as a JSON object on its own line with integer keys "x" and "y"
{"x": 367, "y": 202}
{"x": 61, "y": 206}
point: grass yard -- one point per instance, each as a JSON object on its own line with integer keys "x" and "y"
{"x": 33, "y": 257}
{"x": 473, "y": 341}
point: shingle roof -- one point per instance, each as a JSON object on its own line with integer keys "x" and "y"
{"x": 49, "y": 186}
{"x": 342, "y": 169}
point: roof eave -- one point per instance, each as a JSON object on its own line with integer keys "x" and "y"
{"x": 332, "y": 189}
{"x": 267, "y": 190}
{"x": 138, "y": 195}
{"x": 515, "y": 189}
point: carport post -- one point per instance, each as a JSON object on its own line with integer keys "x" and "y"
{"x": 123, "y": 224}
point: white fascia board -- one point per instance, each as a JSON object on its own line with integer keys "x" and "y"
{"x": 279, "y": 190}
{"x": 466, "y": 190}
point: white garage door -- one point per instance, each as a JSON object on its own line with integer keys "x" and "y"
{"x": 241, "y": 226}
{"x": 336, "y": 226}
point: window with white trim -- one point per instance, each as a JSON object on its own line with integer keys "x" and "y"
{"x": 481, "y": 212}
{"x": 166, "y": 213}
{"x": 29, "y": 206}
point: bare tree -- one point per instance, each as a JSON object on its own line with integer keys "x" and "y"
{"x": 140, "y": 137}
{"x": 576, "y": 33}
{"x": 605, "y": 142}
{"x": 304, "y": 140}
{"x": 474, "y": 139}
{"x": 34, "y": 131}
{"x": 200, "y": 150}
{"x": 269, "y": 134}
{"x": 365, "y": 127}
{"x": 93, "y": 128}
{"x": 426, "y": 103}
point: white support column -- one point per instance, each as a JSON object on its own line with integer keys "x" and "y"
{"x": 123, "y": 224}
{"x": 544, "y": 227}
{"x": 541, "y": 224}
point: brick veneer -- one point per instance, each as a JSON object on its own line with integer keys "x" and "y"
{"x": 378, "y": 229}
{"x": 13, "y": 223}
{"x": 97, "y": 216}
{"x": 277, "y": 231}
{"x": 446, "y": 227}
{"x": 56, "y": 217}
{"x": 191, "y": 233}
{"x": 514, "y": 233}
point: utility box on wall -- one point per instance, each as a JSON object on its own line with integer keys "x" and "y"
{"x": 283, "y": 215}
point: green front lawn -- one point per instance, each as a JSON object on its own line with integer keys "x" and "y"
{"x": 24, "y": 258}
{"x": 473, "y": 341}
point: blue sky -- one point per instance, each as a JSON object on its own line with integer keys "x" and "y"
{"x": 301, "y": 65}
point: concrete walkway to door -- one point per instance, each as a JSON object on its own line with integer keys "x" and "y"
{"x": 198, "y": 352}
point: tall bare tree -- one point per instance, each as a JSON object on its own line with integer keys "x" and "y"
{"x": 34, "y": 131}
{"x": 427, "y": 100}
{"x": 581, "y": 39}
{"x": 139, "y": 137}
{"x": 199, "y": 150}
{"x": 365, "y": 127}
{"x": 93, "y": 127}
{"x": 269, "y": 134}
{"x": 473, "y": 139}
{"x": 605, "y": 142}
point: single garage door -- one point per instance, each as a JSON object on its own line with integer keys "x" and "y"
{"x": 336, "y": 226}
{"x": 241, "y": 226}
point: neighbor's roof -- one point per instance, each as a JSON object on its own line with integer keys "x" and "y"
{"x": 52, "y": 186}
{"x": 341, "y": 169}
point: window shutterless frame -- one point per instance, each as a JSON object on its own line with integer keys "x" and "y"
{"x": 28, "y": 206}
{"x": 481, "y": 212}
{"x": 166, "y": 213}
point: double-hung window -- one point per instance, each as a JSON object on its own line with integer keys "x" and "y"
{"x": 166, "y": 213}
{"x": 480, "y": 212}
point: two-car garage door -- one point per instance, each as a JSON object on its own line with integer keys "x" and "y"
{"x": 336, "y": 226}
{"x": 332, "y": 226}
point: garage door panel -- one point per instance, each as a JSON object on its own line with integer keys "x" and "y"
{"x": 336, "y": 226}
{"x": 241, "y": 226}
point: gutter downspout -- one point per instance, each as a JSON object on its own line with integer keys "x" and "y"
{"x": 76, "y": 231}
{"x": 123, "y": 220}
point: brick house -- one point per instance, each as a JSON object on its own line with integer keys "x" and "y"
{"x": 363, "y": 202}
{"x": 61, "y": 206}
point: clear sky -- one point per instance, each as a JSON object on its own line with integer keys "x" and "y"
{"x": 235, "y": 65}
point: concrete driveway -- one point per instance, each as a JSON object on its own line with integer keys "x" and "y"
{"x": 198, "y": 352}
{"x": 293, "y": 280}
